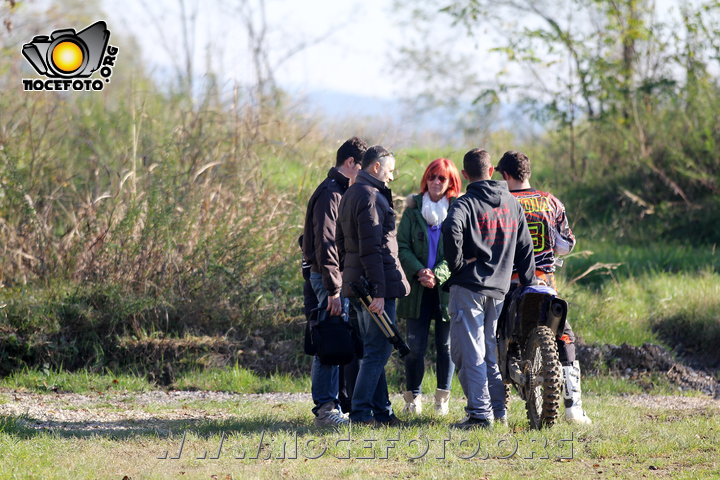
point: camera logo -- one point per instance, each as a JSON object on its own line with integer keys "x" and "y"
{"x": 68, "y": 57}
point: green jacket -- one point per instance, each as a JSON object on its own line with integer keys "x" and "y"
{"x": 413, "y": 252}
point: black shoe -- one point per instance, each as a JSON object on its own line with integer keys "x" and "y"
{"x": 501, "y": 421}
{"x": 472, "y": 422}
{"x": 371, "y": 422}
{"x": 393, "y": 421}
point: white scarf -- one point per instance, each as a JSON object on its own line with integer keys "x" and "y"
{"x": 434, "y": 212}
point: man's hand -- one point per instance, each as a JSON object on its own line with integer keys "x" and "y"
{"x": 334, "y": 305}
{"x": 377, "y": 305}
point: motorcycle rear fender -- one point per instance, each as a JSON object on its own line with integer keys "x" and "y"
{"x": 539, "y": 309}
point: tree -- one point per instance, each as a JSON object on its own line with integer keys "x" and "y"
{"x": 580, "y": 64}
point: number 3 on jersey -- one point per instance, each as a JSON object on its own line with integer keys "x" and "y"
{"x": 537, "y": 232}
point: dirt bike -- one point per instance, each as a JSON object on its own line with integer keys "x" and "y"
{"x": 528, "y": 338}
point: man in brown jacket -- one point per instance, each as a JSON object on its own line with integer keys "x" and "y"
{"x": 367, "y": 243}
{"x": 320, "y": 252}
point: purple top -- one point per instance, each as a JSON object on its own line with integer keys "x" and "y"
{"x": 433, "y": 240}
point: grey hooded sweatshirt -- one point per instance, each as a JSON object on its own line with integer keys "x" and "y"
{"x": 487, "y": 224}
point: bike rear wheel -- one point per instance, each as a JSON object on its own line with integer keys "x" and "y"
{"x": 544, "y": 374}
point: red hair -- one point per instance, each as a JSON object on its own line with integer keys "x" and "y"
{"x": 446, "y": 168}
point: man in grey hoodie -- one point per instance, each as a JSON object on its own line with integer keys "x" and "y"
{"x": 485, "y": 234}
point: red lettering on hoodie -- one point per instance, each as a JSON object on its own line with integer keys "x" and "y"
{"x": 497, "y": 224}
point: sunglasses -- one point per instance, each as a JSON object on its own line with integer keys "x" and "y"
{"x": 432, "y": 178}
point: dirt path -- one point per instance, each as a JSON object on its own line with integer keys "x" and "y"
{"x": 102, "y": 412}
{"x": 154, "y": 411}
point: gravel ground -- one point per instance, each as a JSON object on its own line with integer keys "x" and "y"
{"x": 105, "y": 412}
{"x": 127, "y": 412}
{"x": 672, "y": 402}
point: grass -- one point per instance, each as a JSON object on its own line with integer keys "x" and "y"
{"x": 240, "y": 380}
{"x": 237, "y": 379}
{"x": 643, "y": 308}
{"x": 83, "y": 381}
{"x": 633, "y": 260}
{"x": 625, "y": 441}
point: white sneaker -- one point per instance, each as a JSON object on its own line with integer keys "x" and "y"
{"x": 413, "y": 403}
{"x": 442, "y": 401}
{"x": 330, "y": 416}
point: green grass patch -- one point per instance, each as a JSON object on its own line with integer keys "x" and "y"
{"x": 241, "y": 380}
{"x": 636, "y": 260}
{"x": 656, "y": 308}
{"x": 83, "y": 381}
{"x": 13, "y": 426}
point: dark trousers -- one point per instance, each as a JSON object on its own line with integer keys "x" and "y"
{"x": 418, "y": 331}
{"x": 349, "y": 372}
{"x": 370, "y": 397}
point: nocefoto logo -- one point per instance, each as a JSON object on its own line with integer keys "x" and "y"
{"x": 68, "y": 58}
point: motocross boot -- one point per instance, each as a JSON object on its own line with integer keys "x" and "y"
{"x": 574, "y": 412}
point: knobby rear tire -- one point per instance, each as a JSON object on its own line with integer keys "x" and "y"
{"x": 541, "y": 356}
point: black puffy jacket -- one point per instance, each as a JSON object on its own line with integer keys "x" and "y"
{"x": 366, "y": 239}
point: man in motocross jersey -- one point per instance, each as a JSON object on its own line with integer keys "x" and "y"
{"x": 551, "y": 235}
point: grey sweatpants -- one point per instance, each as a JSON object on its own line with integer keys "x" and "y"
{"x": 474, "y": 350}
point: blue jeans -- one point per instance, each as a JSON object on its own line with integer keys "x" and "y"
{"x": 370, "y": 397}
{"x": 418, "y": 330}
{"x": 474, "y": 350}
{"x": 324, "y": 378}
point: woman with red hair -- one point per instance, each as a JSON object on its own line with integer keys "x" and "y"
{"x": 421, "y": 255}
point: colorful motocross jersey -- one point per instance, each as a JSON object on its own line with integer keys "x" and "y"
{"x": 548, "y": 226}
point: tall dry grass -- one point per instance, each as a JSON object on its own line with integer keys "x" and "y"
{"x": 140, "y": 212}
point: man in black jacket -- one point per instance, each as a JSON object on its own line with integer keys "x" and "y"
{"x": 367, "y": 243}
{"x": 320, "y": 252}
{"x": 484, "y": 234}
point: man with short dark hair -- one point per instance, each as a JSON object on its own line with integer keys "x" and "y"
{"x": 321, "y": 253}
{"x": 367, "y": 243}
{"x": 485, "y": 233}
{"x": 551, "y": 234}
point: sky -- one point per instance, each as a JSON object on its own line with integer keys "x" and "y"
{"x": 346, "y": 67}
{"x": 351, "y": 42}
{"x": 345, "y": 73}
{"x": 349, "y": 52}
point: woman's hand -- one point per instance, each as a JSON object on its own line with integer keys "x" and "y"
{"x": 427, "y": 278}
